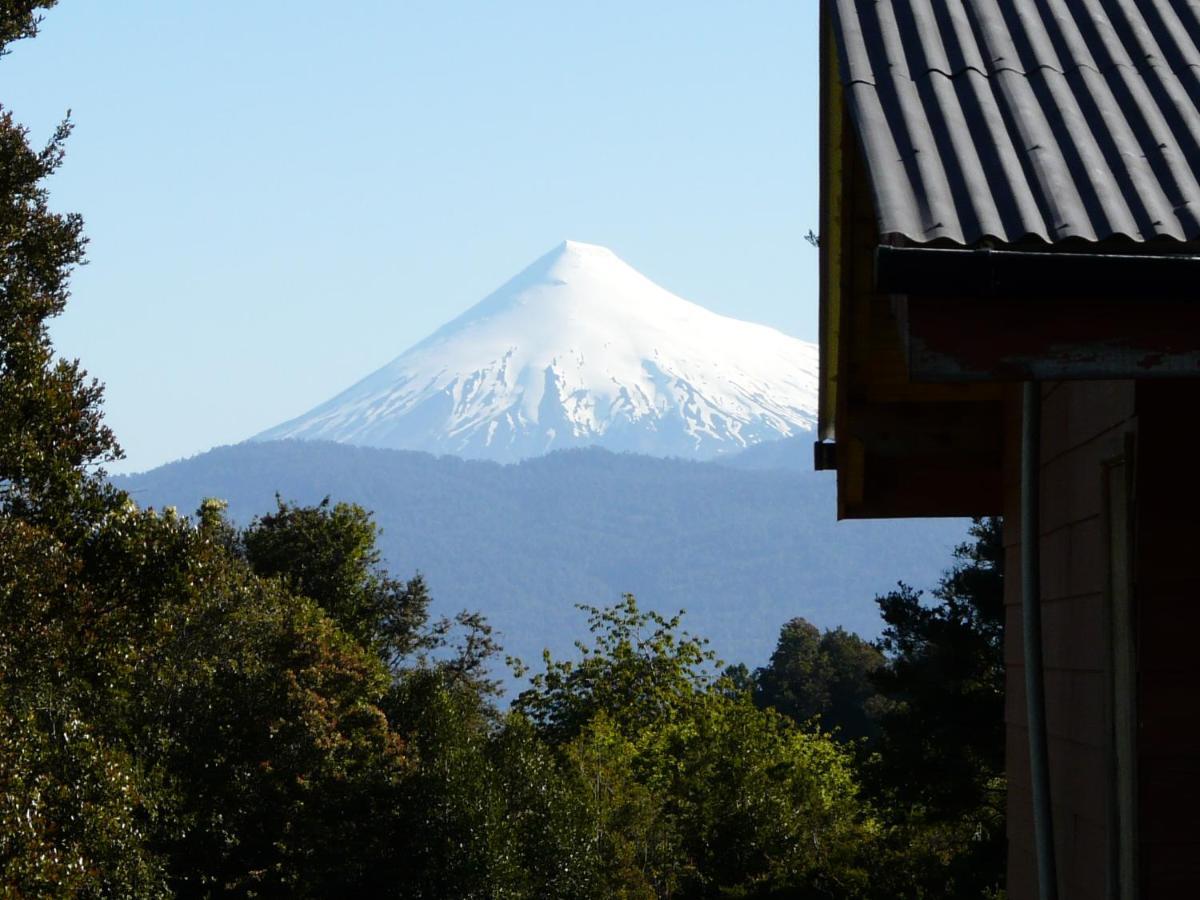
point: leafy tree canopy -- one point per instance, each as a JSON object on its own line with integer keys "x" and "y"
{"x": 940, "y": 766}
{"x": 827, "y": 677}
{"x": 20, "y": 19}
{"x": 329, "y": 553}
{"x": 694, "y": 790}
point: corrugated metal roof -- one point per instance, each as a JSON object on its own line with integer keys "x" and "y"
{"x": 1015, "y": 119}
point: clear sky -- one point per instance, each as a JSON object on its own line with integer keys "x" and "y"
{"x": 281, "y": 197}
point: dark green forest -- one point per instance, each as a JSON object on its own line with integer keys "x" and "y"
{"x": 741, "y": 549}
{"x": 191, "y": 707}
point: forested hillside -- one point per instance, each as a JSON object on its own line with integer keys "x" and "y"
{"x": 740, "y": 550}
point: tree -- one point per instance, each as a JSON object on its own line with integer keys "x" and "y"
{"x": 826, "y": 677}
{"x": 168, "y": 720}
{"x": 73, "y": 805}
{"x": 51, "y": 433}
{"x": 940, "y": 767}
{"x": 175, "y": 723}
{"x": 489, "y": 810}
{"x": 641, "y": 671}
{"x": 72, "y": 811}
{"x": 259, "y": 719}
{"x": 20, "y": 19}
{"x": 695, "y": 792}
{"x": 329, "y": 554}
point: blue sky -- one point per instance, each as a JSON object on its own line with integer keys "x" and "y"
{"x": 281, "y": 197}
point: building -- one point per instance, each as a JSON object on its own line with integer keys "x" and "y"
{"x": 1010, "y": 249}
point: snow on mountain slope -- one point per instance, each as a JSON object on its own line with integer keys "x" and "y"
{"x": 578, "y": 349}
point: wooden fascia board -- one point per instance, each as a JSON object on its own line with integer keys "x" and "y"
{"x": 832, "y": 245}
{"x": 917, "y": 487}
{"x": 977, "y": 339}
{"x": 1004, "y": 315}
{"x": 967, "y": 432}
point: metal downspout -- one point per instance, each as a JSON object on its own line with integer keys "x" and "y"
{"x": 1031, "y": 615}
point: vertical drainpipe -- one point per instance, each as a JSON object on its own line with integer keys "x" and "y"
{"x": 1031, "y": 615}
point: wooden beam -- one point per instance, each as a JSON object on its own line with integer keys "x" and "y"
{"x": 952, "y": 430}
{"x": 912, "y": 459}
{"x": 923, "y": 487}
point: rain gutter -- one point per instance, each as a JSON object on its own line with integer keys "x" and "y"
{"x": 1020, "y": 274}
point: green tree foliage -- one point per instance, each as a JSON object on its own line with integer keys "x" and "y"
{"x": 73, "y": 808}
{"x": 50, "y": 424}
{"x": 695, "y": 792}
{"x": 490, "y": 810}
{"x": 176, "y": 724}
{"x": 329, "y": 553}
{"x": 928, "y": 697}
{"x": 640, "y": 671}
{"x": 20, "y": 19}
{"x": 823, "y": 676}
{"x": 70, "y": 808}
{"x": 256, "y": 720}
{"x": 940, "y": 767}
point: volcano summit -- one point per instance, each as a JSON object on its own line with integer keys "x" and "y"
{"x": 579, "y": 349}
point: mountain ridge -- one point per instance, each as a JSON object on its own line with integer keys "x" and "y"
{"x": 741, "y": 550}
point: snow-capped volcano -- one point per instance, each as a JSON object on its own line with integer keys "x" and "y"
{"x": 578, "y": 349}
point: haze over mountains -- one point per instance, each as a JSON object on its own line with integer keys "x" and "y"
{"x": 525, "y": 510}
{"x": 741, "y": 549}
{"x": 578, "y": 349}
